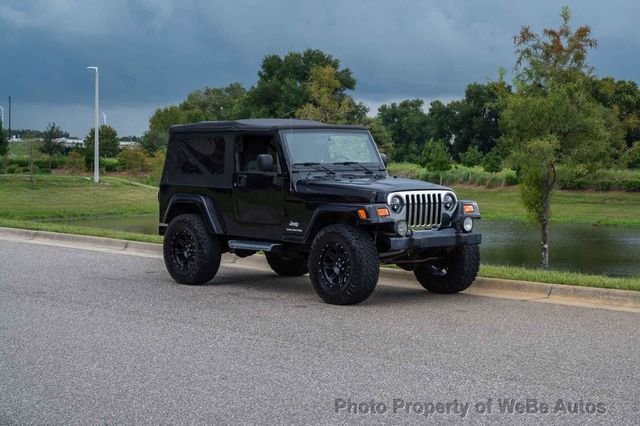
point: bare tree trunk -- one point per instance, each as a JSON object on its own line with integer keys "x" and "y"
{"x": 544, "y": 249}
{"x": 544, "y": 220}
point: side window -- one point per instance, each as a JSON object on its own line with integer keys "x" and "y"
{"x": 249, "y": 147}
{"x": 200, "y": 154}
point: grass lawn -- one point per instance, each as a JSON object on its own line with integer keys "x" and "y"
{"x": 558, "y": 277}
{"x": 23, "y": 148}
{"x": 599, "y": 208}
{"x": 73, "y": 196}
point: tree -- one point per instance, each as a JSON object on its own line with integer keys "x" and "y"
{"x": 623, "y": 99}
{"x": 74, "y": 161}
{"x": 471, "y": 157}
{"x": 552, "y": 120}
{"x": 283, "y": 85}
{"x": 50, "y": 144}
{"x": 109, "y": 144}
{"x": 217, "y": 103}
{"x": 134, "y": 159}
{"x": 4, "y": 141}
{"x": 492, "y": 162}
{"x": 381, "y": 136}
{"x": 158, "y": 134}
{"x": 327, "y": 102}
{"x": 435, "y": 156}
{"x": 408, "y": 125}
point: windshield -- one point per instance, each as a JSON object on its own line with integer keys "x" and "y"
{"x": 330, "y": 147}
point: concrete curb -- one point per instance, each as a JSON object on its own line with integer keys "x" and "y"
{"x": 493, "y": 287}
{"x": 80, "y": 241}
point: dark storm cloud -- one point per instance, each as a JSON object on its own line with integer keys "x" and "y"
{"x": 153, "y": 52}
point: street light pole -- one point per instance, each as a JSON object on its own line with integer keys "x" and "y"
{"x": 96, "y": 132}
{"x": 9, "y": 117}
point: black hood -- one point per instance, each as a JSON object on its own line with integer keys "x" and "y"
{"x": 358, "y": 188}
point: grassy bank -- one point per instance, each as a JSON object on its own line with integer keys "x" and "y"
{"x": 596, "y": 208}
{"x": 72, "y": 196}
{"x": 79, "y": 230}
{"x": 559, "y": 277}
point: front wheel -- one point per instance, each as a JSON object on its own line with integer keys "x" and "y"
{"x": 343, "y": 264}
{"x": 453, "y": 274}
{"x": 191, "y": 254}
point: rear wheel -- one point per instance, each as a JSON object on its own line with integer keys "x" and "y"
{"x": 343, "y": 264}
{"x": 287, "y": 264}
{"x": 453, "y": 274}
{"x": 191, "y": 254}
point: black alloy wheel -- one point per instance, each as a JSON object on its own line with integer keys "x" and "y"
{"x": 336, "y": 267}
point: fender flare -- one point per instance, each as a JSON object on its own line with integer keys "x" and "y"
{"x": 206, "y": 206}
{"x": 342, "y": 209}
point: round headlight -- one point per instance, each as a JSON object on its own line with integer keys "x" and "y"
{"x": 448, "y": 201}
{"x": 396, "y": 204}
{"x": 401, "y": 228}
{"x": 467, "y": 224}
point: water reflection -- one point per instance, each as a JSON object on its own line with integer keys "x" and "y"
{"x": 609, "y": 250}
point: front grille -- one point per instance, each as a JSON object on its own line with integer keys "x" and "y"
{"x": 423, "y": 209}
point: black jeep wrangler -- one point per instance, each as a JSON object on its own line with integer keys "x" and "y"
{"x": 314, "y": 198}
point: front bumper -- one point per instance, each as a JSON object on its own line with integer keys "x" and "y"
{"x": 447, "y": 237}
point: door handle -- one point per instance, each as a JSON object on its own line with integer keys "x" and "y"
{"x": 241, "y": 181}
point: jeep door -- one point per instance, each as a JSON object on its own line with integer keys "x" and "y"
{"x": 258, "y": 195}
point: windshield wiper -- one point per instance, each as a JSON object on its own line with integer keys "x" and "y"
{"x": 355, "y": 163}
{"x": 318, "y": 166}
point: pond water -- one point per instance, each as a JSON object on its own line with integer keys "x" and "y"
{"x": 609, "y": 250}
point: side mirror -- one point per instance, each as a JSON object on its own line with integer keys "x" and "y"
{"x": 384, "y": 159}
{"x": 264, "y": 162}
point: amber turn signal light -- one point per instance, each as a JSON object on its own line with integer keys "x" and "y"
{"x": 362, "y": 214}
{"x": 382, "y": 211}
{"x": 469, "y": 208}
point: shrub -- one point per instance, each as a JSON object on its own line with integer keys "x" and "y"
{"x": 157, "y": 165}
{"x": 75, "y": 161}
{"x": 435, "y": 156}
{"x": 492, "y": 162}
{"x": 134, "y": 159}
{"x": 406, "y": 170}
{"x": 471, "y": 157}
{"x": 110, "y": 164}
{"x": 510, "y": 178}
{"x": 12, "y": 169}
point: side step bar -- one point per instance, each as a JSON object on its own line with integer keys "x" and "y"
{"x": 254, "y": 245}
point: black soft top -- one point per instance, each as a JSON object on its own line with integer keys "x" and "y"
{"x": 259, "y": 124}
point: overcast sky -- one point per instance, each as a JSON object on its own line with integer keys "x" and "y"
{"x": 154, "y": 52}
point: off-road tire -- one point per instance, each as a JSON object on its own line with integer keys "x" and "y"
{"x": 287, "y": 264}
{"x": 361, "y": 255}
{"x": 462, "y": 265}
{"x": 206, "y": 252}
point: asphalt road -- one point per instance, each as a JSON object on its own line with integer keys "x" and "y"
{"x": 90, "y": 337}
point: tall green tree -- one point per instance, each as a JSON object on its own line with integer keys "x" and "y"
{"x": 622, "y": 97}
{"x": 158, "y": 134}
{"x": 409, "y": 127}
{"x": 327, "y": 101}
{"x": 552, "y": 120}
{"x": 109, "y": 144}
{"x": 217, "y": 103}
{"x": 50, "y": 144}
{"x": 283, "y": 85}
